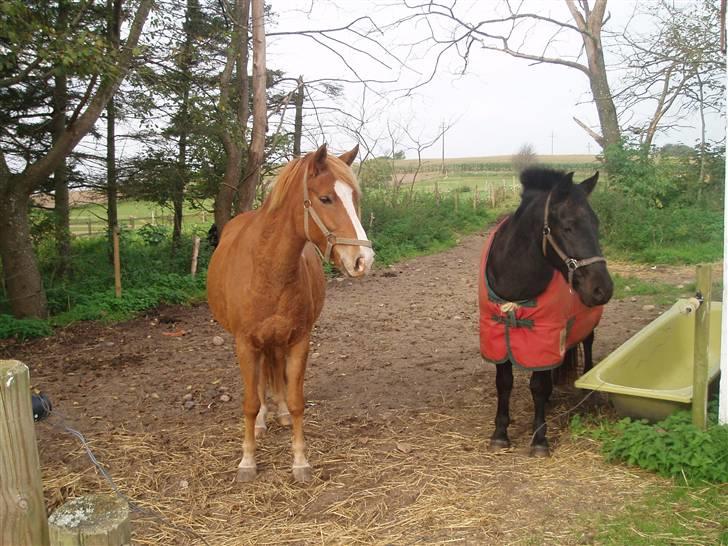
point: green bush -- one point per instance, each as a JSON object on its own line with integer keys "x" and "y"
{"x": 673, "y": 447}
{"x": 375, "y": 173}
{"x": 10, "y": 327}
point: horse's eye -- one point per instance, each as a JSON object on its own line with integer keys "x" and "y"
{"x": 326, "y": 200}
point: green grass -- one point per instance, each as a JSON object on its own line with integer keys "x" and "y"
{"x": 668, "y": 515}
{"x": 126, "y": 208}
{"x": 658, "y": 292}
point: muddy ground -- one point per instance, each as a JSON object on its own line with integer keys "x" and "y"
{"x": 399, "y": 409}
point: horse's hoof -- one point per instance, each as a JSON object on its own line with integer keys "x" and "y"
{"x": 284, "y": 419}
{"x": 302, "y": 474}
{"x": 246, "y": 474}
{"x": 540, "y": 451}
{"x": 260, "y": 431}
{"x": 498, "y": 444}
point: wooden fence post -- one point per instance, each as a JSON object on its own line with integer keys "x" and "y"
{"x": 22, "y": 508}
{"x": 154, "y": 221}
{"x": 88, "y": 222}
{"x": 101, "y": 520}
{"x": 131, "y": 222}
{"x": 195, "y": 253}
{"x": 700, "y": 348}
{"x": 117, "y": 262}
{"x": 475, "y": 198}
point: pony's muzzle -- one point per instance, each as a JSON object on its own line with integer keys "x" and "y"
{"x": 359, "y": 263}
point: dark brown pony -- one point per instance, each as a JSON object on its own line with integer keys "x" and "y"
{"x": 553, "y": 229}
{"x": 266, "y": 286}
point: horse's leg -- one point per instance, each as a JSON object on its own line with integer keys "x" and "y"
{"x": 504, "y": 384}
{"x": 587, "y": 344}
{"x": 541, "y": 387}
{"x": 250, "y": 361}
{"x": 260, "y": 426}
{"x": 295, "y": 370}
{"x": 279, "y": 388}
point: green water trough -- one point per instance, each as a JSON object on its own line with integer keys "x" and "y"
{"x": 651, "y": 375}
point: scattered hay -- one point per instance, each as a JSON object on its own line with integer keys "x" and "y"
{"x": 445, "y": 488}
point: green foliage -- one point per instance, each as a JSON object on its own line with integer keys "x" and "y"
{"x": 375, "y": 173}
{"x": 10, "y": 327}
{"x": 663, "y": 293}
{"x": 673, "y": 447}
{"x": 154, "y": 235}
{"x": 151, "y": 275}
{"x": 404, "y": 225}
{"x": 632, "y": 229}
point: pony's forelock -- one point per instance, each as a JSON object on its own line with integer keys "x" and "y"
{"x": 544, "y": 179}
{"x": 292, "y": 175}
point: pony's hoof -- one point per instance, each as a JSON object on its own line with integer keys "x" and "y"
{"x": 499, "y": 444}
{"x": 260, "y": 431}
{"x": 302, "y": 474}
{"x": 246, "y": 474}
{"x": 284, "y": 419}
{"x": 540, "y": 451}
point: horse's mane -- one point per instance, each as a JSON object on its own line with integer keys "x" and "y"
{"x": 292, "y": 175}
{"x": 544, "y": 179}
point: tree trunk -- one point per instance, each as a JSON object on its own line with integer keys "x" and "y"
{"x": 590, "y": 24}
{"x": 114, "y": 29}
{"x": 298, "y": 123}
{"x": 20, "y": 268}
{"x": 246, "y": 192}
{"x": 233, "y": 134}
{"x": 60, "y": 175}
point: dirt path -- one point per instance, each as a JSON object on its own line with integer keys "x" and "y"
{"x": 400, "y": 407}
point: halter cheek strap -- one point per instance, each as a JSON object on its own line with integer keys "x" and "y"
{"x": 331, "y": 238}
{"x": 572, "y": 264}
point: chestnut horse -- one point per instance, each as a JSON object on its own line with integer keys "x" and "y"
{"x": 266, "y": 286}
{"x": 543, "y": 282}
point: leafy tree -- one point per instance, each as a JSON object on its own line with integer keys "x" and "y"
{"x": 32, "y": 49}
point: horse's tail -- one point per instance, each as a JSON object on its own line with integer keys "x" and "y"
{"x": 576, "y": 362}
{"x": 567, "y": 373}
{"x": 274, "y": 371}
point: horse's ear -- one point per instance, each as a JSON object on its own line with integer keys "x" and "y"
{"x": 318, "y": 162}
{"x": 350, "y": 156}
{"x": 589, "y": 183}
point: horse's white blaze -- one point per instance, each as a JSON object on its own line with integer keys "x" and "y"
{"x": 346, "y": 194}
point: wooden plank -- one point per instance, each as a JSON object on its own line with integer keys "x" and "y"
{"x": 701, "y": 345}
{"x": 23, "y": 519}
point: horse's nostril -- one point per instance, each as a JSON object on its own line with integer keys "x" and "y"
{"x": 359, "y": 265}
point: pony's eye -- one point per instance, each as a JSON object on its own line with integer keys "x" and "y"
{"x": 326, "y": 200}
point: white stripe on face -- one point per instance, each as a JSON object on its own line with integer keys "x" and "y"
{"x": 346, "y": 194}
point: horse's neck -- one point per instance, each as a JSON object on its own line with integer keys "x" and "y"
{"x": 516, "y": 268}
{"x": 278, "y": 250}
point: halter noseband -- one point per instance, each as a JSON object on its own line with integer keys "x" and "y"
{"x": 331, "y": 238}
{"x": 572, "y": 264}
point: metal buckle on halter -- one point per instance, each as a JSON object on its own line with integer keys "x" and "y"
{"x": 331, "y": 238}
{"x": 572, "y": 264}
{"x": 306, "y": 203}
{"x": 546, "y": 230}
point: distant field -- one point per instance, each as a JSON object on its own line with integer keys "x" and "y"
{"x": 497, "y": 161}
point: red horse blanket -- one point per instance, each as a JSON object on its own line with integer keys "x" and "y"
{"x": 533, "y": 334}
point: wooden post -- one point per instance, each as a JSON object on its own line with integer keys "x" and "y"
{"x": 475, "y": 198}
{"x": 22, "y": 509}
{"x": 131, "y": 222}
{"x": 492, "y": 196}
{"x": 204, "y": 217}
{"x": 154, "y": 222}
{"x": 117, "y": 263}
{"x": 195, "y": 253}
{"x": 101, "y": 520}
{"x": 700, "y": 349}
{"x": 89, "y": 227}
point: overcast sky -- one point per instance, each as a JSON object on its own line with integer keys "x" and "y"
{"x": 498, "y": 105}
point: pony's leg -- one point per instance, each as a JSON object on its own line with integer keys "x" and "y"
{"x": 295, "y": 370}
{"x": 541, "y": 387}
{"x": 260, "y": 426}
{"x": 250, "y": 363}
{"x": 279, "y": 388}
{"x": 587, "y": 344}
{"x": 504, "y": 384}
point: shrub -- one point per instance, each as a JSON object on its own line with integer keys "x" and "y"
{"x": 673, "y": 447}
{"x": 23, "y": 328}
{"x": 375, "y": 173}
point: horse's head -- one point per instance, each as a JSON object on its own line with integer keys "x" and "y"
{"x": 571, "y": 232}
{"x": 331, "y": 200}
